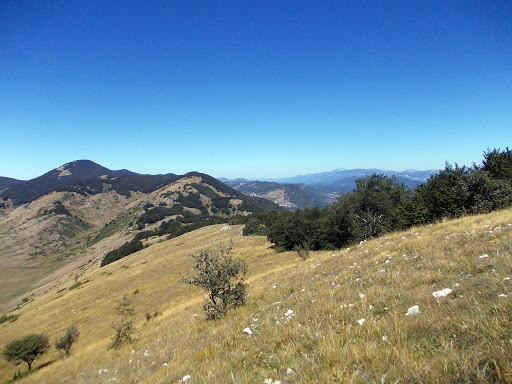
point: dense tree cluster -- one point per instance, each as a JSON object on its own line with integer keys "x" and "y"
{"x": 380, "y": 204}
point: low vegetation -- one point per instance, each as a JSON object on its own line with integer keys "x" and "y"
{"x": 385, "y": 290}
{"x": 65, "y": 342}
{"x": 380, "y": 204}
{"x": 8, "y": 318}
{"x": 124, "y": 326}
{"x": 223, "y": 280}
{"x": 27, "y": 349}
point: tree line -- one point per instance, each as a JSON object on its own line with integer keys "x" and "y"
{"x": 379, "y": 204}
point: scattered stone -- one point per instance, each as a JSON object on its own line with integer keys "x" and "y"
{"x": 290, "y": 371}
{"x": 186, "y": 378}
{"x": 505, "y": 279}
{"x": 361, "y": 321}
{"x": 502, "y": 295}
{"x": 414, "y": 310}
{"x": 484, "y": 256}
{"x": 384, "y": 338}
{"x": 146, "y": 353}
{"x": 247, "y": 331}
{"x": 361, "y": 295}
{"x": 442, "y": 293}
{"x": 289, "y": 314}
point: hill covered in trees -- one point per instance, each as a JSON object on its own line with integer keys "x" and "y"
{"x": 380, "y": 204}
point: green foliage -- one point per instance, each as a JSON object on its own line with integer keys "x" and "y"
{"x": 59, "y": 209}
{"x": 65, "y": 342}
{"x": 445, "y": 193}
{"x": 192, "y": 200}
{"x": 498, "y": 163}
{"x": 222, "y": 278}
{"x": 8, "y": 318}
{"x": 378, "y": 201}
{"x": 27, "y": 349}
{"x": 155, "y": 214}
{"x": 254, "y": 227}
{"x": 75, "y": 286}
{"x": 124, "y": 327}
{"x": 380, "y": 204}
{"x": 149, "y": 315}
{"x": 126, "y": 249}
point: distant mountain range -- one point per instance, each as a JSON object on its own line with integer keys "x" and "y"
{"x": 319, "y": 189}
{"x": 411, "y": 177}
{"x": 297, "y": 192}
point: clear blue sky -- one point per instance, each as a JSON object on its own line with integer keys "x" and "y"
{"x": 253, "y": 88}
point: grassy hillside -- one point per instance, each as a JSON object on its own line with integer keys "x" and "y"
{"x": 464, "y": 337}
{"x": 61, "y": 232}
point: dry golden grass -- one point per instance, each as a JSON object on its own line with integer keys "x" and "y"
{"x": 465, "y": 337}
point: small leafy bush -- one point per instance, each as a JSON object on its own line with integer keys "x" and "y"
{"x": 222, "y": 278}
{"x": 65, "y": 342}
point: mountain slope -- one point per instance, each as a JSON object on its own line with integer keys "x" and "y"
{"x": 290, "y": 196}
{"x": 6, "y": 182}
{"x": 46, "y": 238}
{"x": 58, "y": 178}
{"x": 319, "y": 189}
{"x": 463, "y": 337}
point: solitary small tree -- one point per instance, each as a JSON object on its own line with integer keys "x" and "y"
{"x": 27, "y": 349}
{"x": 65, "y": 342}
{"x": 223, "y": 280}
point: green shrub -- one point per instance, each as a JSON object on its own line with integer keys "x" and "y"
{"x": 254, "y": 227}
{"x": 10, "y": 318}
{"x": 27, "y": 349}
{"x": 65, "y": 342}
{"x": 222, "y": 278}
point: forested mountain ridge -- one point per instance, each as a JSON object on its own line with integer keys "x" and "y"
{"x": 81, "y": 176}
{"x": 83, "y": 211}
{"x": 289, "y": 196}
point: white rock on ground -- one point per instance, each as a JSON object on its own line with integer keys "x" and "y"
{"x": 484, "y": 256}
{"x": 442, "y": 293}
{"x": 247, "y": 331}
{"x": 414, "y": 310}
{"x": 361, "y": 321}
{"x": 186, "y": 378}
